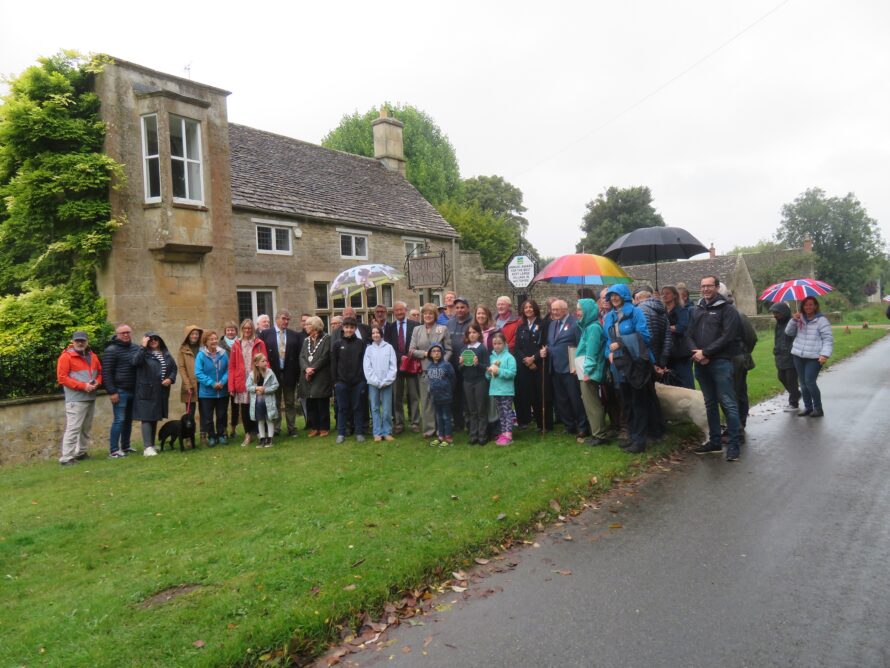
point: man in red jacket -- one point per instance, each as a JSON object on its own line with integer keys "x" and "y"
{"x": 79, "y": 372}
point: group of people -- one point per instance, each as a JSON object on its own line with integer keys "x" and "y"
{"x": 451, "y": 368}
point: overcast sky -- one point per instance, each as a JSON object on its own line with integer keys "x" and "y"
{"x": 726, "y": 110}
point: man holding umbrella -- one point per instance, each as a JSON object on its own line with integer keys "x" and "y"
{"x": 713, "y": 338}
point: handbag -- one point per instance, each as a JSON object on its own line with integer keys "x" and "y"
{"x": 410, "y": 365}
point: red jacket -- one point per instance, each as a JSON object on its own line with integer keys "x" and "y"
{"x": 509, "y": 332}
{"x": 74, "y": 371}
{"x": 237, "y": 371}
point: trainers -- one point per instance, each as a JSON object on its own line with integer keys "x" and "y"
{"x": 732, "y": 456}
{"x": 68, "y": 462}
{"x": 378, "y": 439}
{"x": 790, "y": 408}
{"x": 340, "y": 438}
{"x": 435, "y": 443}
{"x": 117, "y": 454}
{"x": 501, "y": 440}
{"x": 389, "y": 437}
{"x": 149, "y": 452}
{"x": 449, "y": 440}
{"x": 129, "y": 451}
{"x": 211, "y": 442}
{"x": 708, "y": 449}
{"x": 817, "y": 412}
{"x": 269, "y": 442}
{"x": 222, "y": 440}
{"x": 360, "y": 438}
{"x": 805, "y": 412}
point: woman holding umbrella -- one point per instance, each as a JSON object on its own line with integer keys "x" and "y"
{"x": 813, "y": 345}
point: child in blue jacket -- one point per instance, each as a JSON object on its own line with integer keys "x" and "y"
{"x": 440, "y": 377}
{"x": 501, "y": 372}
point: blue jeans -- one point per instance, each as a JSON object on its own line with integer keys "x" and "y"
{"x": 718, "y": 387}
{"x": 122, "y": 425}
{"x": 807, "y": 371}
{"x": 443, "y": 420}
{"x": 381, "y": 409}
{"x": 349, "y": 402}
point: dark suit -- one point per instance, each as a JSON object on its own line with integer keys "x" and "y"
{"x": 406, "y": 386}
{"x": 566, "y": 392}
{"x": 288, "y": 374}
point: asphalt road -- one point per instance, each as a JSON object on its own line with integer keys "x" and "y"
{"x": 781, "y": 559}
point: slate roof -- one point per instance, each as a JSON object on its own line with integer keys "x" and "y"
{"x": 287, "y": 176}
{"x": 686, "y": 271}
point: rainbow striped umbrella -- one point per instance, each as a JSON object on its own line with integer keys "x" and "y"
{"x": 583, "y": 269}
{"x": 795, "y": 290}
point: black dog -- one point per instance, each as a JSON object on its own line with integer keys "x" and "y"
{"x": 182, "y": 429}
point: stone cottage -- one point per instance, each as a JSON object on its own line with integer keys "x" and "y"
{"x": 225, "y": 221}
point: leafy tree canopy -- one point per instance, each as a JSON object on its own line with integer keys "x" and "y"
{"x": 500, "y": 197}
{"x": 614, "y": 213}
{"x": 431, "y": 164}
{"x": 846, "y": 240}
{"x": 761, "y": 246}
{"x": 493, "y": 236}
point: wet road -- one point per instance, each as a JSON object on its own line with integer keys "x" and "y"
{"x": 782, "y": 559}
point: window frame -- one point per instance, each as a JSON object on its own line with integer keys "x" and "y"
{"x": 353, "y": 235}
{"x": 273, "y": 228}
{"x": 186, "y": 159}
{"x": 148, "y": 198}
{"x": 253, "y": 301}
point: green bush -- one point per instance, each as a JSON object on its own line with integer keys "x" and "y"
{"x": 35, "y": 327}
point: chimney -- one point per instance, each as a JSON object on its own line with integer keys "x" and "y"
{"x": 807, "y": 245}
{"x": 388, "y": 147}
{"x": 712, "y": 251}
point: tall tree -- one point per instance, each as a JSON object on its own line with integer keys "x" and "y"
{"x": 431, "y": 164}
{"x": 616, "y": 212}
{"x": 497, "y": 195}
{"x": 493, "y": 236}
{"x": 846, "y": 240}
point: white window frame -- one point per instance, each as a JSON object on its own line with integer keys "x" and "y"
{"x": 275, "y": 250}
{"x": 351, "y": 232}
{"x": 186, "y": 159}
{"x": 417, "y": 242}
{"x": 146, "y": 158}
{"x": 255, "y": 313}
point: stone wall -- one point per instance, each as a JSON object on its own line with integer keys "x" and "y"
{"x": 31, "y": 429}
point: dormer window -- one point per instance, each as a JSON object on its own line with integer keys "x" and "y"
{"x": 185, "y": 160}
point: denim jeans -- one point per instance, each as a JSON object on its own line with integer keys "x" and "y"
{"x": 381, "y": 409}
{"x": 443, "y": 419}
{"x": 718, "y": 387}
{"x": 807, "y": 371}
{"x": 349, "y": 403}
{"x": 122, "y": 426}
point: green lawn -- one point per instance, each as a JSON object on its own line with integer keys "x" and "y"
{"x": 874, "y": 314}
{"x": 284, "y": 543}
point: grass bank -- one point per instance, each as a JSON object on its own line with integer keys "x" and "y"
{"x": 277, "y": 545}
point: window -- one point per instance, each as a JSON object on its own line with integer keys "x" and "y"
{"x": 252, "y": 303}
{"x": 321, "y": 297}
{"x": 185, "y": 159}
{"x": 387, "y": 295}
{"x": 355, "y": 301}
{"x": 354, "y": 245}
{"x": 371, "y": 297}
{"x": 339, "y": 302}
{"x": 274, "y": 240}
{"x": 151, "y": 158}
{"x": 414, "y": 247}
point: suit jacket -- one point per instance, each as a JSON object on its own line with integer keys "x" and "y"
{"x": 391, "y": 336}
{"x": 290, "y": 375}
{"x": 558, "y": 341}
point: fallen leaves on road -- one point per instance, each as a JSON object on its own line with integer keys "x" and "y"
{"x": 554, "y": 504}
{"x": 480, "y": 561}
{"x": 563, "y": 571}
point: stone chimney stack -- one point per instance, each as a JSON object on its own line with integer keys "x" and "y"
{"x": 712, "y": 251}
{"x": 388, "y": 147}
{"x": 808, "y": 245}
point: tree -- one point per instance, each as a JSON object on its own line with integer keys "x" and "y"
{"x": 431, "y": 164}
{"x": 493, "y": 236}
{"x": 847, "y": 242}
{"x": 614, "y": 213}
{"x": 500, "y": 197}
{"x": 761, "y": 246}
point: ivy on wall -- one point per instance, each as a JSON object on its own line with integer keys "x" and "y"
{"x": 56, "y": 224}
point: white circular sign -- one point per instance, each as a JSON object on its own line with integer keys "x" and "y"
{"x": 520, "y": 271}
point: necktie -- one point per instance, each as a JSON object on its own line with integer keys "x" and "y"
{"x": 281, "y": 347}
{"x": 401, "y": 326}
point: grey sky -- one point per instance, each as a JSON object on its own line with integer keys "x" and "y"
{"x": 526, "y": 90}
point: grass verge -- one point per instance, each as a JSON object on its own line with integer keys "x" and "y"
{"x": 258, "y": 549}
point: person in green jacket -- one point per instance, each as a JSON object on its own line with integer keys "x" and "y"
{"x": 590, "y": 363}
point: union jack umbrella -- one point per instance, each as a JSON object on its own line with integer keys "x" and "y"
{"x": 795, "y": 290}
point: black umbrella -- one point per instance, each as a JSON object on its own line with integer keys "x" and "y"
{"x": 651, "y": 244}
